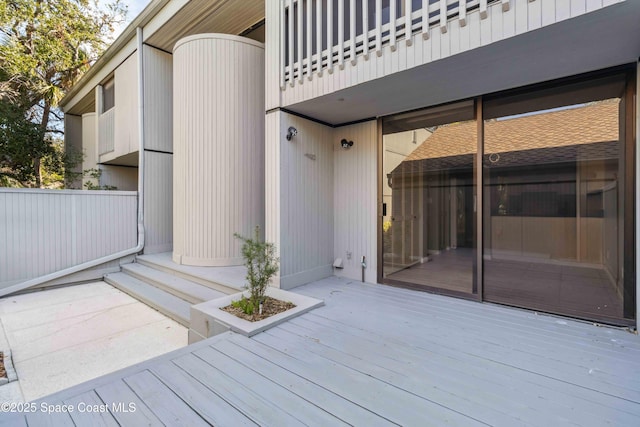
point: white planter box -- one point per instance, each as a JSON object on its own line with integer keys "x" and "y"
{"x": 208, "y": 320}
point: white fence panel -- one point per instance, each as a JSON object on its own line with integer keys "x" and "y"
{"x": 44, "y": 231}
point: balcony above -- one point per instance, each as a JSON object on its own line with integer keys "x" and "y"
{"x": 471, "y": 47}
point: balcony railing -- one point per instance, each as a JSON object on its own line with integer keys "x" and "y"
{"x": 106, "y": 131}
{"x": 317, "y": 35}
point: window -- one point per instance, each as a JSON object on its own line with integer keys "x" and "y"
{"x": 108, "y": 95}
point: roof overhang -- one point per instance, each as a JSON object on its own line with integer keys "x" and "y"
{"x": 164, "y": 22}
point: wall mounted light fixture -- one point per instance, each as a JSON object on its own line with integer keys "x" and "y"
{"x": 346, "y": 144}
{"x": 291, "y": 132}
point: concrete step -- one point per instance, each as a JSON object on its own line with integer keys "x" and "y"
{"x": 194, "y": 293}
{"x": 166, "y": 303}
{"x": 228, "y": 280}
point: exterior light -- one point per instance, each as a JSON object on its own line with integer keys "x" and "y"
{"x": 291, "y": 132}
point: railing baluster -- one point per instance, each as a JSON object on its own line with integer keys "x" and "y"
{"x": 309, "y": 39}
{"x": 483, "y": 9}
{"x": 365, "y": 29}
{"x": 425, "y": 19}
{"x": 407, "y": 22}
{"x": 462, "y": 14}
{"x": 379, "y": 27}
{"x": 319, "y": 37}
{"x": 352, "y": 28}
{"x": 300, "y": 32}
{"x": 330, "y": 36}
{"x": 443, "y": 16}
{"x": 341, "y": 34}
{"x": 291, "y": 59}
{"x": 392, "y": 25}
{"x": 282, "y": 43}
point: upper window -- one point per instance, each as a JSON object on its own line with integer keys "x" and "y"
{"x": 108, "y": 95}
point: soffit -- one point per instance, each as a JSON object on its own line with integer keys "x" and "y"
{"x": 205, "y": 16}
{"x": 86, "y": 105}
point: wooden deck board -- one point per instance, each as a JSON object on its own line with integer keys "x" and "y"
{"x": 254, "y": 404}
{"x": 118, "y": 393}
{"x": 376, "y": 355}
{"x": 91, "y": 411}
{"x": 279, "y": 394}
{"x": 213, "y": 408}
{"x": 480, "y": 383}
{"x": 165, "y": 404}
{"x": 341, "y": 408}
{"x": 385, "y": 399}
{"x": 504, "y": 346}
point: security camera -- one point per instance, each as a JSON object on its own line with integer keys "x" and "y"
{"x": 291, "y": 132}
{"x": 346, "y": 144}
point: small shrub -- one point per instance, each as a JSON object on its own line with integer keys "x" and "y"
{"x": 245, "y": 305}
{"x": 262, "y": 264}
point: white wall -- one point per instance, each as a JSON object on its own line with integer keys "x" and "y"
{"x": 89, "y": 147}
{"x": 123, "y": 178}
{"x": 158, "y": 144}
{"x": 125, "y": 112}
{"x": 43, "y": 231}
{"x": 355, "y": 200}
{"x": 73, "y": 143}
{"x": 299, "y": 203}
{"x": 321, "y": 198}
{"x": 158, "y": 100}
{"x": 158, "y": 202}
{"x": 307, "y": 201}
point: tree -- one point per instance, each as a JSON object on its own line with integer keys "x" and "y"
{"x": 45, "y": 46}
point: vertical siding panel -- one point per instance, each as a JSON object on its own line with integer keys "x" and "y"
{"x": 355, "y": 183}
{"x": 218, "y": 144}
{"x": 548, "y": 9}
{"x": 509, "y": 22}
{"x": 534, "y": 15}
{"x": 563, "y": 10}
{"x": 578, "y": 7}
{"x": 40, "y": 230}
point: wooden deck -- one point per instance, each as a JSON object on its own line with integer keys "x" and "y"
{"x": 376, "y": 355}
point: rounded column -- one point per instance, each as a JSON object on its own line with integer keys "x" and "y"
{"x": 218, "y": 147}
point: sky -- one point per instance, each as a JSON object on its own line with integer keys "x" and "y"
{"x": 135, "y": 7}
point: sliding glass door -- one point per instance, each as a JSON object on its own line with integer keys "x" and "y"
{"x": 429, "y": 199}
{"x": 553, "y": 200}
{"x": 555, "y": 213}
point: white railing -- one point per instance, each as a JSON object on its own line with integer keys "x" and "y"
{"x": 314, "y": 38}
{"x": 106, "y": 131}
{"x": 44, "y": 231}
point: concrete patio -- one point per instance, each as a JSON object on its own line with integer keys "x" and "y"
{"x": 376, "y": 355}
{"x": 63, "y": 337}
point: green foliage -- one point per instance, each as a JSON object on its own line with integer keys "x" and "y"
{"x": 45, "y": 46}
{"x": 95, "y": 174}
{"x": 245, "y": 305}
{"x": 262, "y": 264}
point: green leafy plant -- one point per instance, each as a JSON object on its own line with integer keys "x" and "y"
{"x": 245, "y": 305}
{"x": 262, "y": 264}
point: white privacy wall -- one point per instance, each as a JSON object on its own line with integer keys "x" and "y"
{"x": 43, "y": 231}
{"x": 218, "y": 146}
{"x": 355, "y": 195}
{"x": 300, "y": 198}
{"x": 321, "y": 198}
